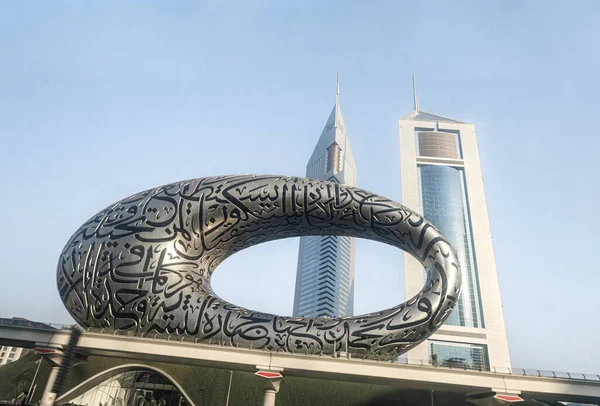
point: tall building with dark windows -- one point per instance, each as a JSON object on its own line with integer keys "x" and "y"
{"x": 441, "y": 179}
{"x": 325, "y": 276}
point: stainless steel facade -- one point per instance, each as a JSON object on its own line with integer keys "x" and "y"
{"x": 144, "y": 264}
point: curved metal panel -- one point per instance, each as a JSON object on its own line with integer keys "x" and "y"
{"x": 145, "y": 262}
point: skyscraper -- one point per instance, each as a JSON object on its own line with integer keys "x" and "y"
{"x": 441, "y": 179}
{"x": 325, "y": 276}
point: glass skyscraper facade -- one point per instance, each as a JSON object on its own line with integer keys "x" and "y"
{"x": 443, "y": 201}
{"x": 459, "y": 355}
{"x": 325, "y": 285}
{"x": 441, "y": 178}
{"x": 325, "y": 275}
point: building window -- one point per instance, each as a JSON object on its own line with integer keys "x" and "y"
{"x": 334, "y": 153}
{"x": 437, "y": 144}
{"x": 430, "y": 142}
{"x": 459, "y": 355}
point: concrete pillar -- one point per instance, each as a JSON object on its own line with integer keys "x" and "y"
{"x": 271, "y": 388}
{"x": 269, "y": 399}
{"x": 272, "y": 379}
{"x": 54, "y": 358}
{"x": 49, "y": 397}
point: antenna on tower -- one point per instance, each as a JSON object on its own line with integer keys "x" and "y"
{"x": 338, "y": 117}
{"x": 415, "y": 97}
{"x": 337, "y": 90}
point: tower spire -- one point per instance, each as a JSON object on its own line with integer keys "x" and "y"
{"x": 415, "y": 97}
{"x": 338, "y": 118}
{"x": 337, "y": 90}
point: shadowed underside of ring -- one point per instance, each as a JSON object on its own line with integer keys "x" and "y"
{"x": 144, "y": 263}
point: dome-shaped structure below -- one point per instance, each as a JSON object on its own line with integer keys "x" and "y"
{"x": 128, "y": 385}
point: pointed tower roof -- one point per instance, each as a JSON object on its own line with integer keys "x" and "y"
{"x": 334, "y": 132}
{"x": 417, "y": 115}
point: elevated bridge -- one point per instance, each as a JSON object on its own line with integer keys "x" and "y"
{"x": 534, "y": 384}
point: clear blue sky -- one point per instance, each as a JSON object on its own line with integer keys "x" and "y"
{"x": 102, "y": 99}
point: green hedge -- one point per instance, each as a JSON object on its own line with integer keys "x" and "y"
{"x": 16, "y": 376}
{"x": 208, "y": 386}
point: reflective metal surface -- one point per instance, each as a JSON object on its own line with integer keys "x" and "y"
{"x": 144, "y": 264}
